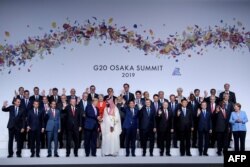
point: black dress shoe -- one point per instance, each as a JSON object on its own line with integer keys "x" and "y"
{"x": 133, "y": 155}
{"x": 151, "y": 154}
{"x": 205, "y": 154}
{"x": 76, "y": 155}
{"x": 200, "y": 154}
{"x": 9, "y": 156}
{"x": 56, "y": 155}
{"x": 32, "y": 155}
{"x": 49, "y": 155}
{"x": 144, "y": 154}
{"x": 67, "y": 155}
{"x": 219, "y": 153}
{"x": 182, "y": 155}
{"x": 189, "y": 155}
{"x": 168, "y": 154}
{"x": 127, "y": 155}
{"x": 161, "y": 154}
{"x": 87, "y": 155}
{"x": 37, "y": 155}
{"x": 94, "y": 155}
{"x": 18, "y": 156}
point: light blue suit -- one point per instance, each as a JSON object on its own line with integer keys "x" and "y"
{"x": 238, "y": 126}
{"x": 52, "y": 127}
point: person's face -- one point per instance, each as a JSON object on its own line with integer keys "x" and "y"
{"x": 192, "y": 97}
{"x": 53, "y": 105}
{"x": 17, "y": 103}
{"x": 21, "y": 91}
{"x": 84, "y": 96}
{"x": 138, "y": 95}
{"x": 172, "y": 98}
{"x": 222, "y": 105}
{"x": 131, "y": 104}
{"x": 203, "y": 105}
{"x": 236, "y": 108}
{"x": 35, "y": 104}
{"x": 100, "y": 98}
{"x": 55, "y": 92}
{"x": 197, "y": 93}
{"x": 213, "y": 92}
{"x": 161, "y": 95}
{"x": 179, "y": 92}
{"x": 95, "y": 102}
{"x": 148, "y": 103}
{"x": 146, "y": 95}
{"x": 227, "y": 87}
{"x": 73, "y": 102}
{"x": 184, "y": 103}
{"x": 63, "y": 98}
{"x": 45, "y": 100}
{"x": 212, "y": 99}
{"x": 72, "y": 92}
{"x": 92, "y": 89}
{"x": 156, "y": 98}
{"x": 36, "y": 91}
{"x": 226, "y": 97}
{"x": 26, "y": 95}
{"x": 110, "y": 92}
{"x": 165, "y": 105}
{"x": 126, "y": 88}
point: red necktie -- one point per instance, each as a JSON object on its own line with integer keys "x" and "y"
{"x": 224, "y": 113}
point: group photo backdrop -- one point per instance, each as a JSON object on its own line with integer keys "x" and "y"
{"x": 151, "y": 44}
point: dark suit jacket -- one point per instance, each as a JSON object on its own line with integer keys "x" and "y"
{"x": 153, "y": 105}
{"x": 26, "y": 108}
{"x": 35, "y": 122}
{"x": 184, "y": 123}
{"x": 217, "y": 99}
{"x": 90, "y": 98}
{"x": 73, "y": 121}
{"x": 232, "y": 97}
{"x": 17, "y": 122}
{"x": 91, "y": 122}
{"x": 130, "y": 120}
{"x": 51, "y": 98}
{"x": 204, "y": 122}
{"x": 32, "y": 99}
{"x": 194, "y": 108}
{"x": 131, "y": 97}
{"x": 173, "y": 110}
{"x": 222, "y": 124}
{"x": 17, "y": 97}
{"x": 147, "y": 122}
{"x": 107, "y": 96}
{"x": 163, "y": 123}
{"x": 69, "y": 97}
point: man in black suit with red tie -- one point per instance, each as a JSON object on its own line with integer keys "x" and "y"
{"x": 185, "y": 126}
{"x": 35, "y": 126}
{"x": 164, "y": 122}
{"x": 92, "y": 93}
{"x": 73, "y": 126}
{"x": 127, "y": 95}
{"x": 147, "y": 127}
{"x": 16, "y": 125}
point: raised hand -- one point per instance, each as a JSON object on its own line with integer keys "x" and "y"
{"x": 5, "y": 103}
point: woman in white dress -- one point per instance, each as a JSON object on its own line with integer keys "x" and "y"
{"x": 111, "y": 129}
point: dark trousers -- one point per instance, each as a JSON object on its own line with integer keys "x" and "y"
{"x": 14, "y": 134}
{"x": 185, "y": 142}
{"x": 52, "y": 135}
{"x": 222, "y": 141}
{"x": 164, "y": 136}
{"x": 62, "y": 133}
{"x": 239, "y": 138}
{"x": 43, "y": 140}
{"x": 35, "y": 142}
{"x": 90, "y": 139}
{"x": 203, "y": 141}
{"x": 175, "y": 138}
{"x": 130, "y": 137}
{"x": 195, "y": 132}
{"x": 72, "y": 133}
{"x": 122, "y": 138}
{"x": 80, "y": 139}
{"x": 145, "y": 135}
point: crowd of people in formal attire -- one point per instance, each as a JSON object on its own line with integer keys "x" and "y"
{"x": 130, "y": 121}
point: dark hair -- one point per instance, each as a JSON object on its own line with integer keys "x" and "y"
{"x": 110, "y": 89}
{"x": 52, "y": 101}
{"x": 138, "y": 91}
{"x": 171, "y": 95}
{"x": 131, "y": 101}
{"x": 183, "y": 100}
{"x": 26, "y": 91}
{"x": 17, "y": 99}
{"x": 203, "y": 102}
{"x": 212, "y": 89}
{"x": 155, "y": 95}
{"x": 36, "y": 88}
{"x": 197, "y": 90}
{"x": 92, "y": 86}
{"x": 238, "y": 105}
{"x": 55, "y": 89}
{"x": 36, "y": 101}
{"x": 20, "y": 88}
{"x": 126, "y": 84}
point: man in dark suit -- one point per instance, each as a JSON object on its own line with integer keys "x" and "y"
{"x": 222, "y": 128}
{"x": 130, "y": 126}
{"x": 139, "y": 101}
{"x": 36, "y": 96}
{"x": 164, "y": 121}
{"x": 27, "y": 105}
{"x": 232, "y": 97}
{"x": 161, "y": 97}
{"x": 110, "y": 94}
{"x": 211, "y": 106}
{"x": 82, "y": 107}
{"x": 53, "y": 127}
{"x": 90, "y": 127}
{"x": 62, "y": 108}
{"x": 212, "y": 93}
{"x": 54, "y": 97}
{"x": 72, "y": 95}
{"x": 173, "y": 106}
{"x": 147, "y": 127}
{"x": 193, "y": 106}
{"x": 156, "y": 103}
{"x": 35, "y": 126}
{"x": 73, "y": 126}
{"x": 16, "y": 125}
{"x": 127, "y": 95}
{"x": 185, "y": 126}
{"x": 204, "y": 128}
{"x": 92, "y": 93}
{"x": 198, "y": 99}
{"x": 19, "y": 95}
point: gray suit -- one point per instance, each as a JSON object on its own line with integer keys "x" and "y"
{"x": 52, "y": 127}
